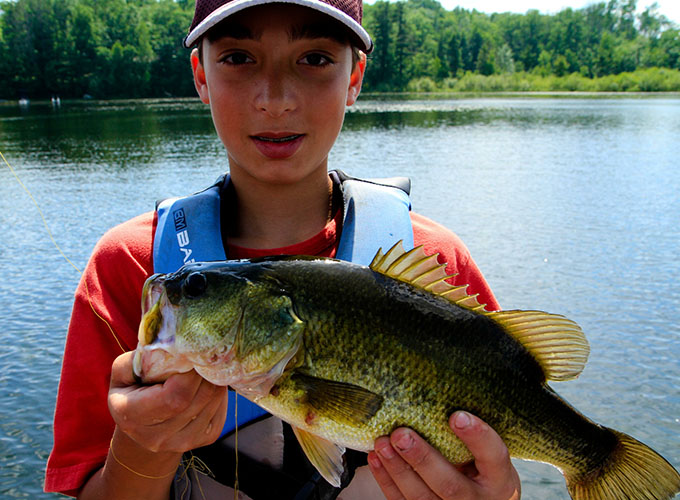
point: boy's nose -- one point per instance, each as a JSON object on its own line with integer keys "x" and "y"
{"x": 275, "y": 94}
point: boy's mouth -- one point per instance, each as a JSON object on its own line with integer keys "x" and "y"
{"x": 278, "y": 146}
{"x": 285, "y": 138}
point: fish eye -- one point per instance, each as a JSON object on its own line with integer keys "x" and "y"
{"x": 194, "y": 285}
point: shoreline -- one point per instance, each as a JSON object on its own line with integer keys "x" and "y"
{"x": 525, "y": 93}
{"x": 440, "y": 94}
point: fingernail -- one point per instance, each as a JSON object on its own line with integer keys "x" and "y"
{"x": 462, "y": 420}
{"x": 404, "y": 441}
{"x": 386, "y": 452}
{"x": 374, "y": 461}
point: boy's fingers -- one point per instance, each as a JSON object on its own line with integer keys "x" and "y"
{"x": 202, "y": 425}
{"x": 156, "y": 403}
{"x": 383, "y": 478}
{"x": 407, "y": 480}
{"x": 492, "y": 459}
{"x": 435, "y": 472}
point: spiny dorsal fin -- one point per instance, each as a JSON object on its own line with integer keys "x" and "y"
{"x": 557, "y": 343}
{"x": 423, "y": 271}
{"x": 324, "y": 455}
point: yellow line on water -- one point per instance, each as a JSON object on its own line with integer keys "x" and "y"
{"x": 42, "y": 216}
{"x": 54, "y": 241}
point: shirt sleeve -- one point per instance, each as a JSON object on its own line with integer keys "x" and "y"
{"x": 435, "y": 238}
{"x": 103, "y": 325}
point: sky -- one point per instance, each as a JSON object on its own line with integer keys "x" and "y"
{"x": 669, "y": 8}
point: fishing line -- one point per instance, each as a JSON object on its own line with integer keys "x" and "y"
{"x": 42, "y": 216}
{"x": 56, "y": 245}
{"x": 236, "y": 485}
{"x": 89, "y": 301}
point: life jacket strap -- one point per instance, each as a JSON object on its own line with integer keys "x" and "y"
{"x": 185, "y": 230}
{"x": 376, "y": 215}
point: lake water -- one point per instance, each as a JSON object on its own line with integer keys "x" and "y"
{"x": 570, "y": 205}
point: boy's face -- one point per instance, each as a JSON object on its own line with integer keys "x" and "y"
{"x": 277, "y": 85}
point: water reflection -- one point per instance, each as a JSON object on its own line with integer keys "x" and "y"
{"x": 521, "y": 113}
{"x": 126, "y": 134}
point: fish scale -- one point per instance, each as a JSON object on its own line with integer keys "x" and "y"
{"x": 348, "y": 353}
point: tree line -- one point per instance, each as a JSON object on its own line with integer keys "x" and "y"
{"x": 133, "y": 48}
{"x": 418, "y": 39}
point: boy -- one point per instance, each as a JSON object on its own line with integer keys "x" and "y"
{"x": 277, "y": 78}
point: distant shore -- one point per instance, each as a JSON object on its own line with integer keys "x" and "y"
{"x": 647, "y": 82}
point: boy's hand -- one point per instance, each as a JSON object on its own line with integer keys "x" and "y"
{"x": 184, "y": 412}
{"x": 405, "y": 466}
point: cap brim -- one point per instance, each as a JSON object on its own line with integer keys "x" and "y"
{"x": 231, "y": 8}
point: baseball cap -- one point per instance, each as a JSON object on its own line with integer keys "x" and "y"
{"x": 208, "y": 13}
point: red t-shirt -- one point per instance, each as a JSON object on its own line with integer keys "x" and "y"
{"x": 110, "y": 290}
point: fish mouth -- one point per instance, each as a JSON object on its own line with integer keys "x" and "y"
{"x": 154, "y": 287}
{"x": 155, "y": 358}
{"x": 157, "y": 317}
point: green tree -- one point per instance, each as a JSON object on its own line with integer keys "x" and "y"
{"x": 529, "y": 33}
{"x": 504, "y": 62}
{"x": 170, "y": 73}
{"x": 401, "y": 47}
{"x": 651, "y": 22}
{"x": 475, "y": 46}
{"x": 465, "y": 54}
{"x": 544, "y": 66}
{"x": 485, "y": 59}
{"x": 84, "y": 51}
{"x": 381, "y": 57}
{"x": 605, "y": 64}
{"x": 453, "y": 54}
{"x": 561, "y": 66}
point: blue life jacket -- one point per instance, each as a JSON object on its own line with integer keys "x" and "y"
{"x": 376, "y": 214}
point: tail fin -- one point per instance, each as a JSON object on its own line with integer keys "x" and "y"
{"x": 633, "y": 472}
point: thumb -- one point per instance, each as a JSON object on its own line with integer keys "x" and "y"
{"x": 122, "y": 374}
{"x": 492, "y": 459}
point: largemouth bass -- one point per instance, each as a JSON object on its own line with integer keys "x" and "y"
{"x": 347, "y": 353}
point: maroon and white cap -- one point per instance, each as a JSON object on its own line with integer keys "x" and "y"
{"x": 208, "y": 13}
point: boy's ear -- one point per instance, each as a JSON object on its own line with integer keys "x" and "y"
{"x": 199, "y": 77}
{"x": 355, "y": 79}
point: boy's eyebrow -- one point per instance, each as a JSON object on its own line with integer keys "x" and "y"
{"x": 231, "y": 30}
{"x": 318, "y": 30}
{"x": 311, "y": 31}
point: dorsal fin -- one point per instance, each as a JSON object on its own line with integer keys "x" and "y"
{"x": 423, "y": 271}
{"x": 557, "y": 343}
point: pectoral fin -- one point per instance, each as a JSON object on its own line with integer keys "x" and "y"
{"x": 324, "y": 455}
{"x": 339, "y": 401}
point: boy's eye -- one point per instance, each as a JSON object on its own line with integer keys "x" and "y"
{"x": 236, "y": 58}
{"x": 315, "y": 60}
